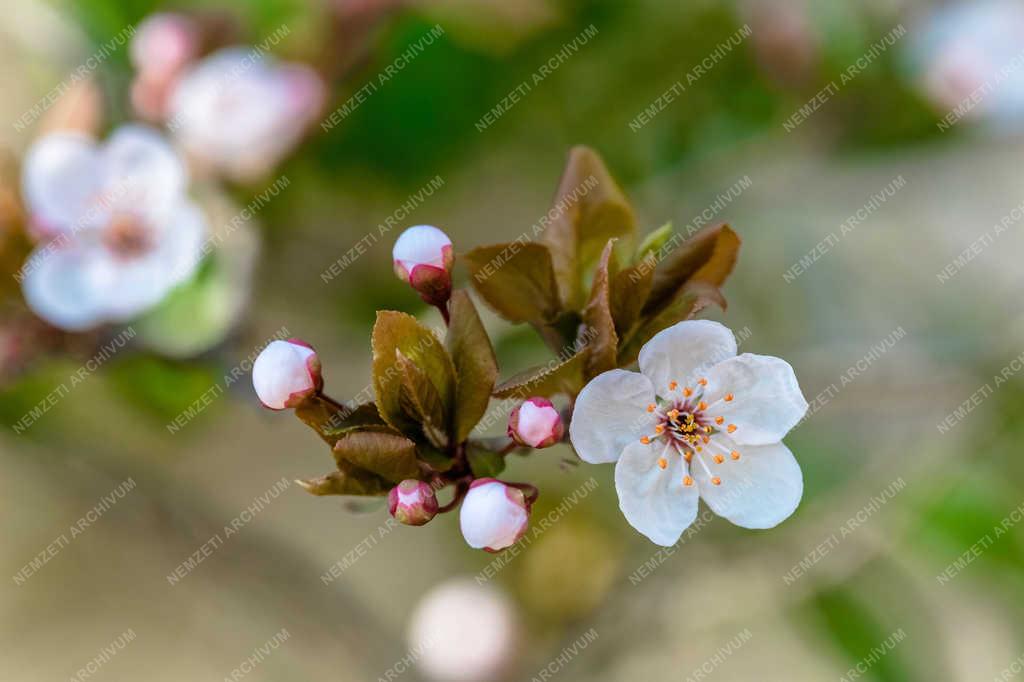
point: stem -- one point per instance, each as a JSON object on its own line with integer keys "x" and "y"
{"x": 461, "y": 488}
{"x": 443, "y": 307}
{"x": 328, "y": 400}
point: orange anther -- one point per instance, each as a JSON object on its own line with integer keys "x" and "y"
{"x": 730, "y": 428}
{"x": 702, "y": 382}
{"x": 688, "y": 456}
{"x": 645, "y": 440}
{"x": 650, "y": 408}
{"x": 728, "y": 397}
{"x": 672, "y": 385}
{"x": 706, "y": 439}
{"x": 716, "y": 480}
{"x": 719, "y": 420}
{"x": 672, "y": 414}
{"x": 719, "y": 459}
{"x": 663, "y": 462}
{"x": 687, "y": 481}
{"x": 687, "y": 391}
{"x": 702, "y": 405}
{"x": 735, "y": 454}
{"x": 659, "y": 428}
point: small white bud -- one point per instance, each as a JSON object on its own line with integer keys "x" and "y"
{"x": 286, "y": 373}
{"x": 493, "y": 515}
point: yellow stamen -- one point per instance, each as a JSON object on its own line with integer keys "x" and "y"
{"x": 672, "y": 414}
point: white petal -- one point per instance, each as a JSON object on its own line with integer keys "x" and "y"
{"x": 421, "y": 245}
{"x": 655, "y": 501}
{"x": 610, "y": 413}
{"x": 281, "y": 370}
{"x": 144, "y": 173}
{"x": 492, "y": 516}
{"x": 182, "y": 241}
{"x": 760, "y": 490}
{"x": 684, "y": 352}
{"x": 61, "y": 181}
{"x": 766, "y": 403}
{"x": 68, "y": 288}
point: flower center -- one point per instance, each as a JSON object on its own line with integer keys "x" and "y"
{"x": 687, "y": 428}
{"x": 127, "y": 236}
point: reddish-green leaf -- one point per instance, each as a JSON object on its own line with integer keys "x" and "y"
{"x": 476, "y": 368}
{"x": 516, "y": 279}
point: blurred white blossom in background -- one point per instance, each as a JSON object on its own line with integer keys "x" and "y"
{"x": 117, "y": 230}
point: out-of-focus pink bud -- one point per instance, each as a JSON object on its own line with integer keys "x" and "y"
{"x": 535, "y": 423}
{"x": 164, "y": 43}
{"x": 423, "y": 257}
{"x": 412, "y": 502}
{"x": 286, "y": 373}
{"x": 494, "y": 515}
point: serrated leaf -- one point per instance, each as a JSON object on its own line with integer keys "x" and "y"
{"x": 386, "y": 454}
{"x": 517, "y": 280}
{"x": 352, "y": 482}
{"x": 547, "y": 380}
{"x": 590, "y": 209}
{"x": 419, "y": 398}
{"x": 708, "y": 256}
{"x": 694, "y": 298}
{"x": 396, "y": 332}
{"x": 476, "y": 368}
{"x": 485, "y": 463}
{"x": 597, "y": 316}
{"x": 330, "y": 422}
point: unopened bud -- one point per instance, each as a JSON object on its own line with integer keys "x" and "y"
{"x": 412, "y": 502}
{"x": 494, "y": 515}
{"x": 423, "y": 257}
{"x": 286, "y": 373}
{"x": 535, "y": 423}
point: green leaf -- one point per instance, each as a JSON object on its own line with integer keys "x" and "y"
{"x": 517, "y": 280}
{"x": 708, "y": 256}
{"x": 590, "y": 209}
{"x": 384, "y": 453}
{"x": 484, "y": 463}
{"x": 419, "y": 398}
{"x": 396, "y": 332}
{"x": 330, "y": 422}
{"x": 476, "y": 368}
{"x": 694, "y": 298}
{"x": 548, "y": 380}
{"x": 352, "y": 482}
{"x": 597, "y": 316}
{"x": 654, "y": 241}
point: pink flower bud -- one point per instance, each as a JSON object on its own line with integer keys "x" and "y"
{"x": 286, "y": 373}
{"x": 163, "y": 43}
{"x": 423, "y": 257}
{"x": 412, "y": 502}
{"x": 494, "y": 515}
{"x": 535, "y": 423}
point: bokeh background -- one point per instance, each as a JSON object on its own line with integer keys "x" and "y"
{"x": 892, "y": 500}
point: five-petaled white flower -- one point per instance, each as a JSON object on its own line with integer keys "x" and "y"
{"x": 119, "y": 230}
{"x": 697, "y": 421}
